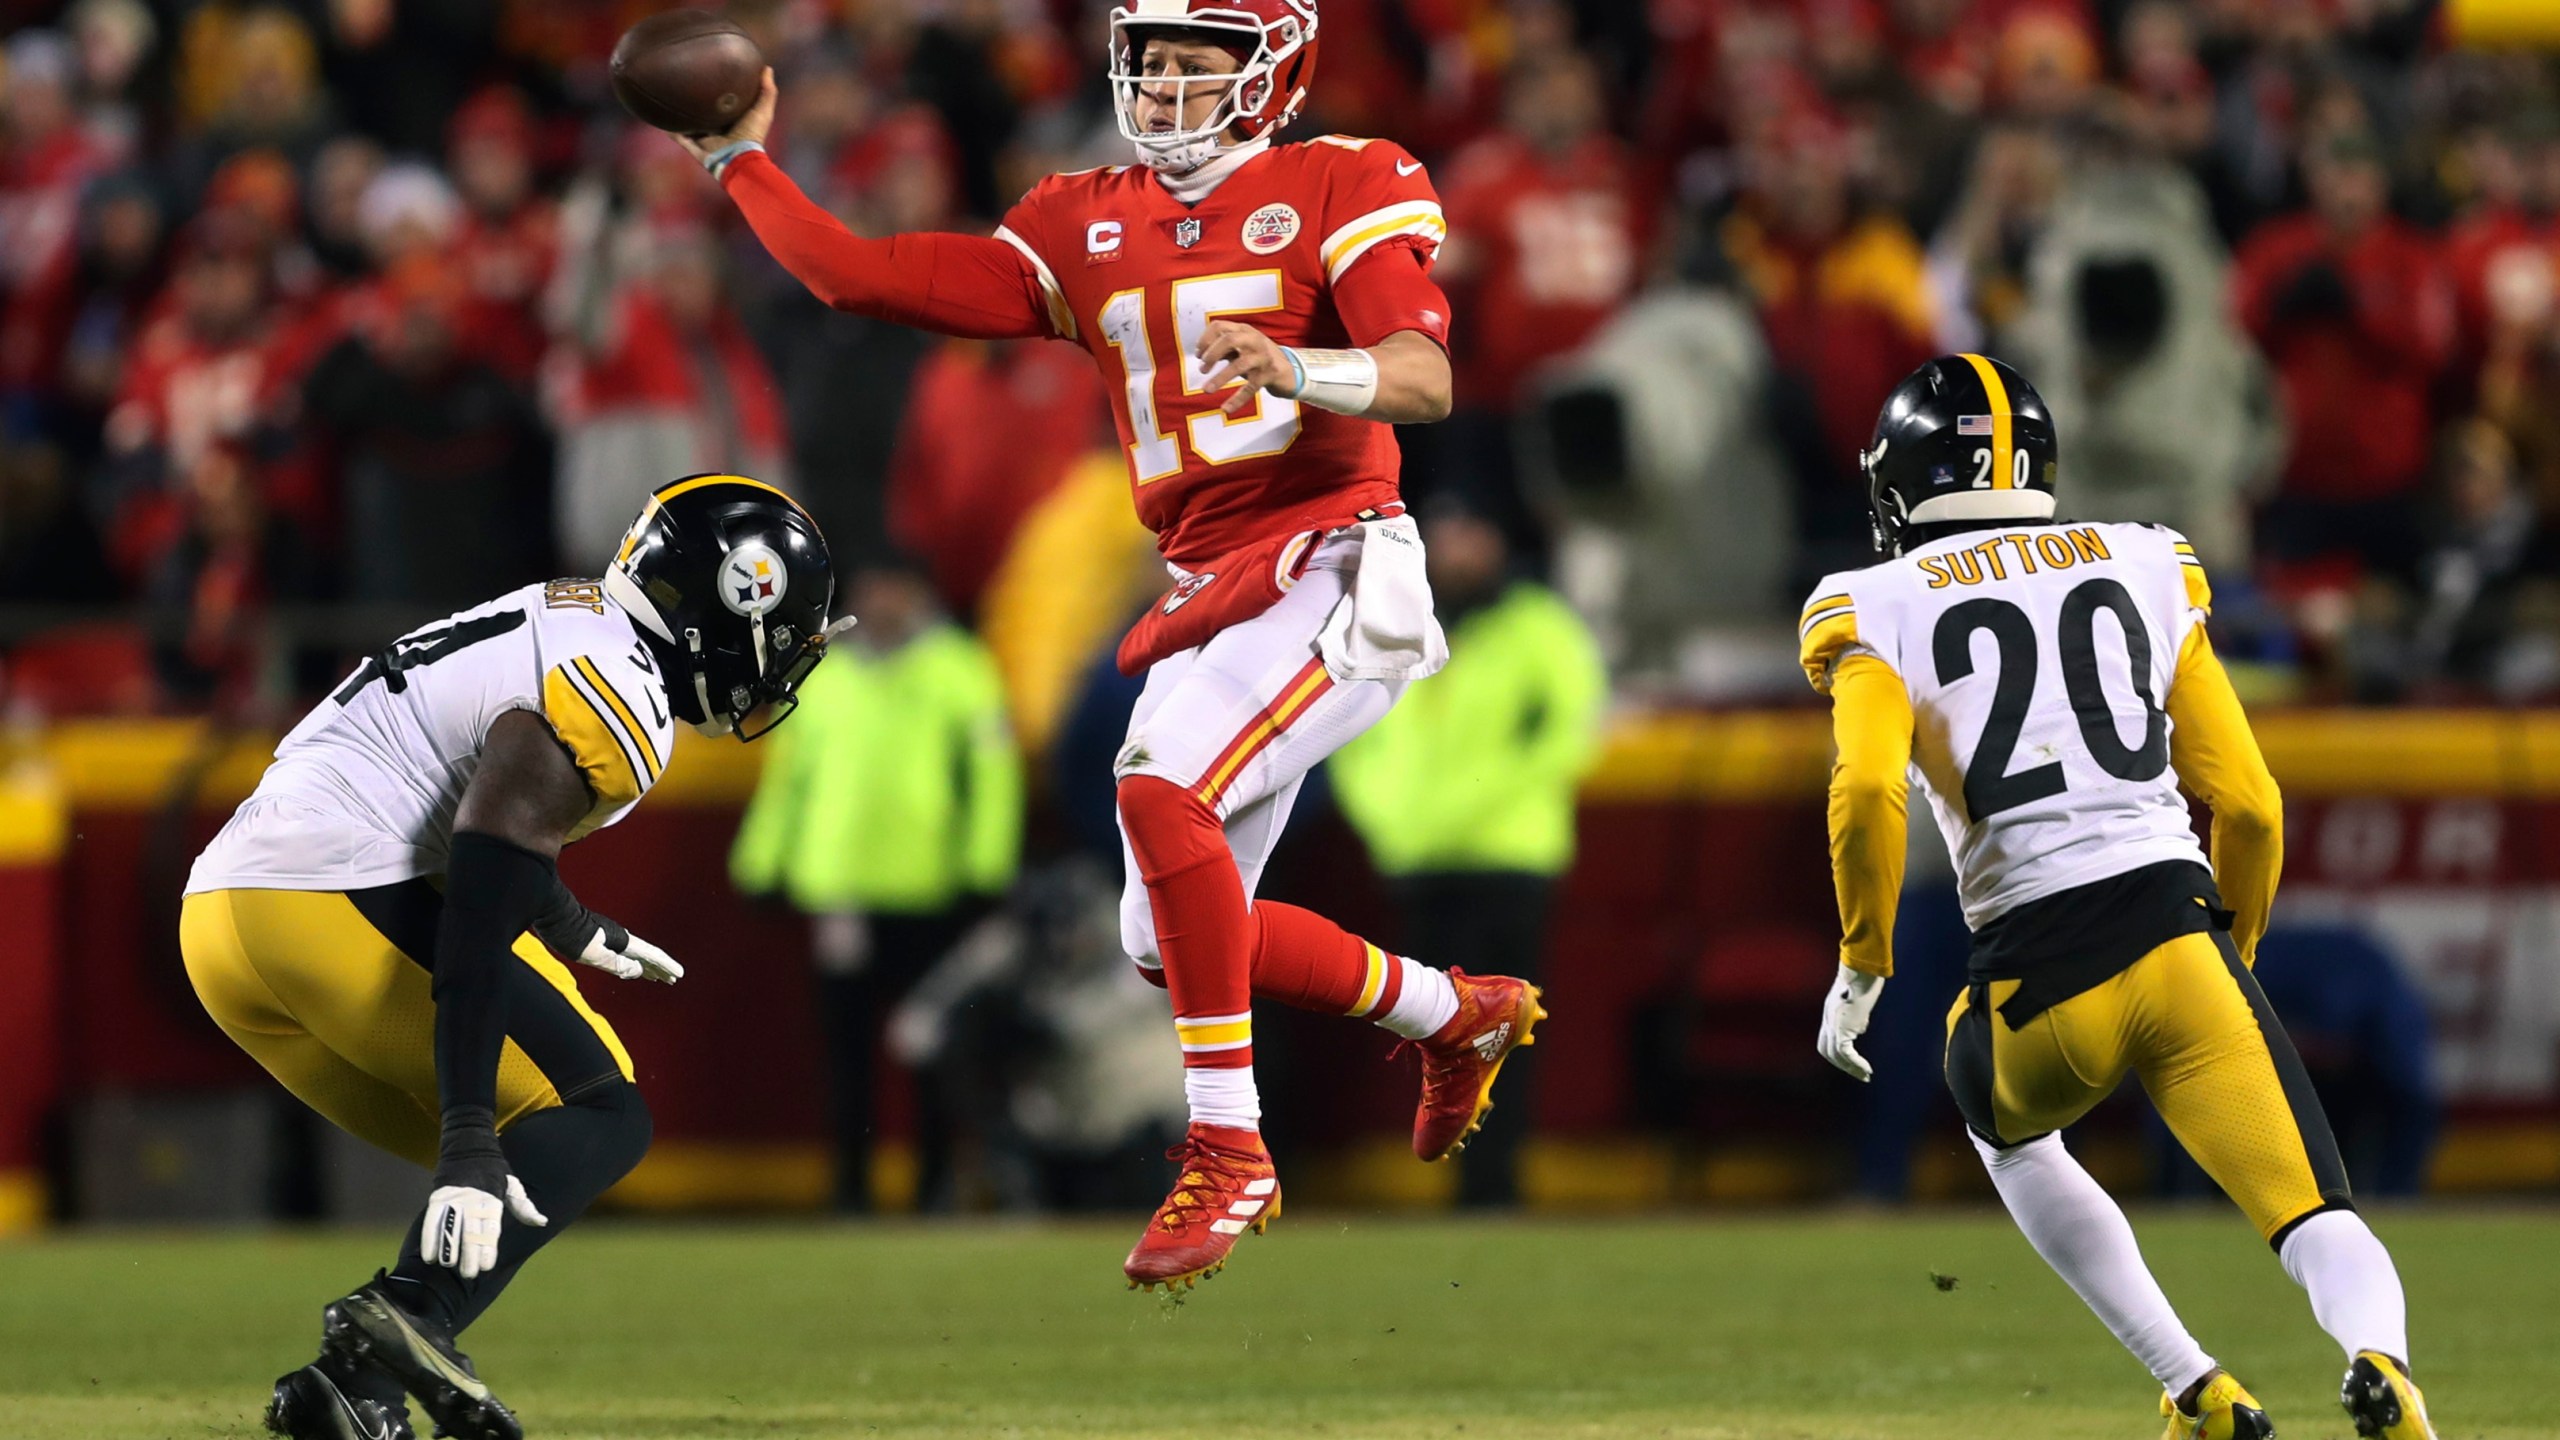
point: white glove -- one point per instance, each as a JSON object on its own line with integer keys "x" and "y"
{"x": 461, "y": 1228}
{"x": 1844, "y": 1019}
{"x": 633, "y": 959}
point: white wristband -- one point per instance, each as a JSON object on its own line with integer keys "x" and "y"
{"x": 1342, "y": 381}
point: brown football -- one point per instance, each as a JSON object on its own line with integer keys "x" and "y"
{"x": 688, "y": 71}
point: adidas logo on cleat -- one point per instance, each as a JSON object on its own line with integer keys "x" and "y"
{"x": 1490, "y": 1043}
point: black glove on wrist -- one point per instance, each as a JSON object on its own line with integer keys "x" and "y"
{"x": 468, "y": 1152}
{"x": 566, "y": 925}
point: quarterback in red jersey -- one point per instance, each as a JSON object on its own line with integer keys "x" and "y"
{"x": 1262, "y": 313}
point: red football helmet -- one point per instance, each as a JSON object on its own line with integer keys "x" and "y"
{"x": 1275, "y": 39}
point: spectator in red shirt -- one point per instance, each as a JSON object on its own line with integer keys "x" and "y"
{"x": 665, "y": 383}
{"x": 1547, "y": 230}
{"x": 1843, "y": 296}
{"x": 45, "y": 161}
{"x": 2351, "y": 307}
{"x": 202, "y": 374}
{"x": 509, "y": 236}
{"x": 2503, "y": 255}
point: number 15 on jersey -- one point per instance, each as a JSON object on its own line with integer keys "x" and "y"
{"x": 1269, "y": 428}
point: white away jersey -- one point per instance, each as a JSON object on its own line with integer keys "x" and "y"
{"x": 363, "y": 791}
{"x": 2038, "y": 661}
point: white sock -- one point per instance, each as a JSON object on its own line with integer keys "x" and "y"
{"x": 2355, "y": 1292}
{"x": 2082, "y": 1234}
{"x": 1424, "y": 1002}
{"x": 1223, "y": 1096}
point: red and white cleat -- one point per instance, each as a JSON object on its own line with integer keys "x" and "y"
{"x": 1227, "y": 1187}
{"x": 1459, "y": 1061}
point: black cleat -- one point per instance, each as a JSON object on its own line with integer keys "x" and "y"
{"x": 310, "y": 1405}
{"x": 368, "y": 1327}
{"x": 2383, "y": 1401}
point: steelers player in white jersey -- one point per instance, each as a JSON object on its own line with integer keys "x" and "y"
{"x": 2050, "y": 687}
{"x": 382, "y": 924}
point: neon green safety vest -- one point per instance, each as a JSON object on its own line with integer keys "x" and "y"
{"x": 894, "y": 789}
{"x": 1476, "y": 767}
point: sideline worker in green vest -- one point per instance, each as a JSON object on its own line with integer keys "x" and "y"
{"x": 1465, "y": 792}
{"x": 890, "y": 811}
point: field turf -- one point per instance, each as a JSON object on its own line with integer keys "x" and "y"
{"x": 1826, "y": 1327}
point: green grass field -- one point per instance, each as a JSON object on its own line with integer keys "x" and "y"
{"x": 1826, "y": 1327}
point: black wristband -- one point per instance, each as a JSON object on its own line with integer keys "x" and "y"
{"x": 468, "y": 1152}
{"x": 493, "y": 891}
{"x": 566, "y": 925}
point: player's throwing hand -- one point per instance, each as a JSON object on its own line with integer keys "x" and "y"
{"x": 1231, "y": 352}
{"x": 751, "y": 128}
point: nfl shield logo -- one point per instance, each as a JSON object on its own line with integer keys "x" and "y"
{"x": 1186, "y": 232}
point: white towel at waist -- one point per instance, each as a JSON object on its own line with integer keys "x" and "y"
{"x": 1384, "y": 628}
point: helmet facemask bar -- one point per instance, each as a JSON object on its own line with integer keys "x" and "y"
{"x": 1250, "y": 90}
{"x": 777, "y": 693}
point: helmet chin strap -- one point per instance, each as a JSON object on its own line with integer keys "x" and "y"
{"x": 714, "y": 722}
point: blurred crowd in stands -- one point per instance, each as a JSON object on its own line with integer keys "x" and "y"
{"x": 319, "y": 318}
{"x": 373, "y": 307}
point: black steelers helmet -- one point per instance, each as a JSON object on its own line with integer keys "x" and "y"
{"x": 1964, "y": 439}
{"x": 729, "y": 582}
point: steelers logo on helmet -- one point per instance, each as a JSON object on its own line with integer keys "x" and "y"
{"x": 753, "y": 580}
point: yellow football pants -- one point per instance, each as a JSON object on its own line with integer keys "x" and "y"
{"x": 2190, "y": 1021}
{"x": 340, "y": 1013}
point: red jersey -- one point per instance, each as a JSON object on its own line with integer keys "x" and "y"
{"x": 1552, "y": 246}
{"x": 1135, "y": 276}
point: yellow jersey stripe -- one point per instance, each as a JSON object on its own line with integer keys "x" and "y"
{"x": 602, "y": 755}
{"x": 2002, "y": 462}
{"x": 1376, "y": 982}
{"x": 640, "y": 737}
{"x": 1367, "y": 240}
{"x": 1825, "y": 602}
{"x": 1824, "y": 644}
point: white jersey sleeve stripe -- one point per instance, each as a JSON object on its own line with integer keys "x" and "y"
{"x": 1815, "y": 618}
{"x": 1358, "y": 238}
{"x": 613, "y": 726}
{"x": 1061, "y": 319}
{"x": 627, "y": 715}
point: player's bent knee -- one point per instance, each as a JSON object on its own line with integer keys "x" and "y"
{"x": 1169, "y": 831}
{"x": 624, "y": 1137}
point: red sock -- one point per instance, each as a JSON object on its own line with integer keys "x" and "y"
{"x": 1204, "y": 934}
{"x": 1300, "y": 958}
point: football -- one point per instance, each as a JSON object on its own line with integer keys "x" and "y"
{"x": 688, "y": 71}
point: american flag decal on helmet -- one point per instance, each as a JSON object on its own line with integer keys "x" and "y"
{"x": 1973, "y": 424}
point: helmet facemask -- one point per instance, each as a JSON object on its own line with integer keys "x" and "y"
{"x": 753, "y": 708}
{"x": 1253, "y": 94}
